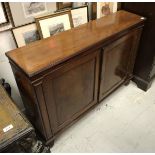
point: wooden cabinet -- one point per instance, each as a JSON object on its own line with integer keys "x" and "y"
{"x": 63, "y": 76}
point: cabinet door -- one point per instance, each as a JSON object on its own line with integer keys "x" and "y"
{"x": 71, "y": 89}
{"x": 117, "y": 62}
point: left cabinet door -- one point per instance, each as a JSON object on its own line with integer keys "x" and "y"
{"x": 71, "y": 89}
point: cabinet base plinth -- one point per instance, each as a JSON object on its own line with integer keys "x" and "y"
{"x": 142, "y": 84}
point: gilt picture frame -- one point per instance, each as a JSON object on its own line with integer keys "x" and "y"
{"x": 25, "y": 34}
{"x": 53, "y": 24}
{"x": 80, "y": 15}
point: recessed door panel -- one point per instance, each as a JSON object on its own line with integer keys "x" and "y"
{"x": 115, "y": 64}
{"x": 71, "y": 89}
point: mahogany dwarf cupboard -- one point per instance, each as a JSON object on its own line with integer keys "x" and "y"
{"x": 63, "y": 76}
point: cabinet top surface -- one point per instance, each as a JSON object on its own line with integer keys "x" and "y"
{"x": 46, "y": 53}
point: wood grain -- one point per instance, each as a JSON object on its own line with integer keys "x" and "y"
{"x": 47, "y": 53}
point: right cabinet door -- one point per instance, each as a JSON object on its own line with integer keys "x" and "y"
{"x": 117, "y": 62}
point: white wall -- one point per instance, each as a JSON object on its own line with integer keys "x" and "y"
{"x": 6, "y": 44}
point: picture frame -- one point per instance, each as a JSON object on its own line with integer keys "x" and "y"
{"x": 64, "y": 5}
{"x": 21, "y": 17}
{"x": 80, "y": 15}
{"x": 106, "y": 8}
{"x": 25, "y": 34}
{"x": 79, "y": 4}
{"x": 3, "y": 14}
{"x": 53, "y": 24}
{"x": 93, "y": 10}
{"x": 7, "y": 25}
{"x": 32, "y": 9}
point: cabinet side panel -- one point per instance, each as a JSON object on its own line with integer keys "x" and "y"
{"x": 30, "y": 100}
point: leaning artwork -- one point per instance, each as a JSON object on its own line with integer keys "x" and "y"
{"x": 33, "y": 8}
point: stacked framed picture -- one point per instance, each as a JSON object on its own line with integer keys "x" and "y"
{"x": 54, "y": 23}
{"x": 100, "y": 9}
{"x": 80, "y": 15}
{"x": 43, "y": 23}
{"x": 106, "y": 8}
{"x": 61, "y": 21}
{"x": 25, "y": 12}
{"x": 25, "y": 34}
